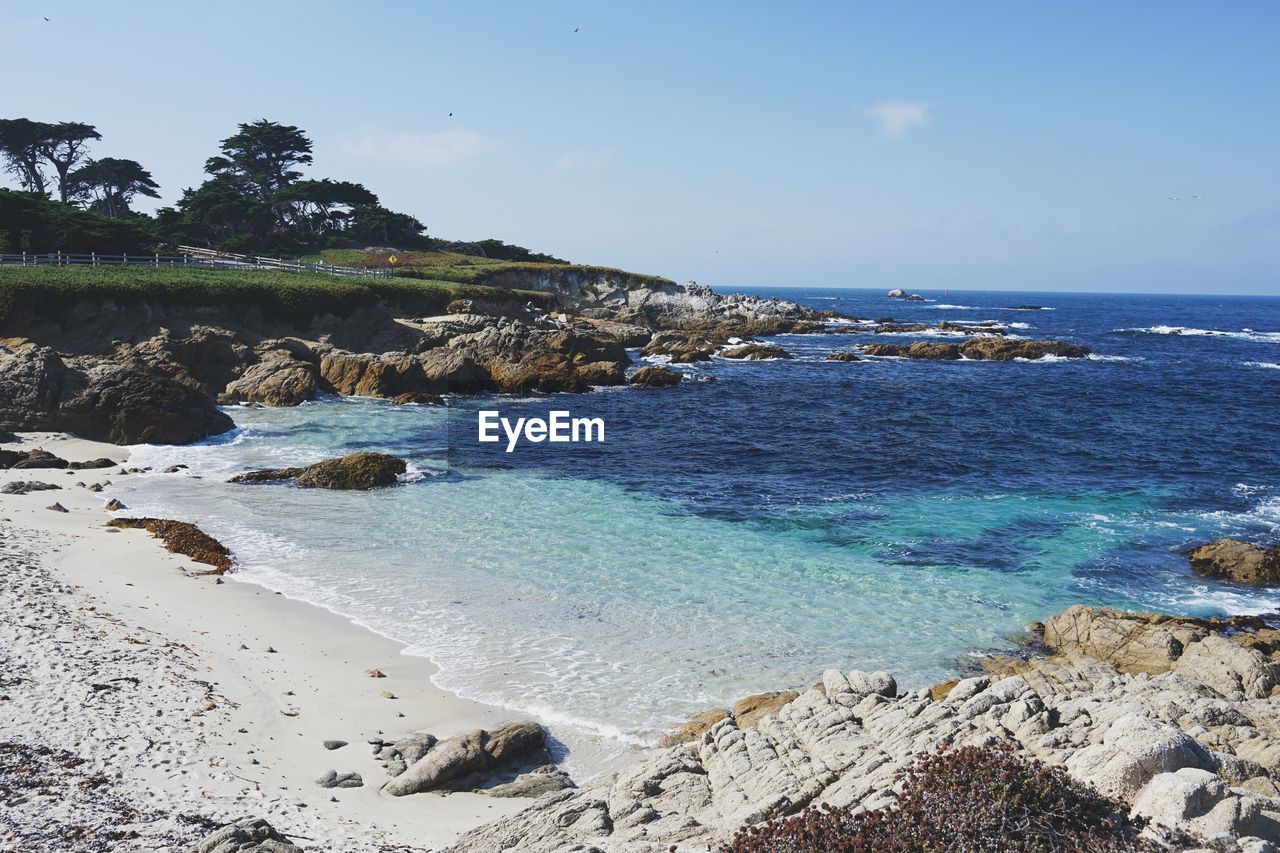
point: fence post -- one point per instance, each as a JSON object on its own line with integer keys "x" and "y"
{"x": 124, "y": 258}
{"x": 157, "y": 260}
{"x": 93, "y": 258}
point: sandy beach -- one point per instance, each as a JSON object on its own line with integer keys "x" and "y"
{"x": 191, "y": 698}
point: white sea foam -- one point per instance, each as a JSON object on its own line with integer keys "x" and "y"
{"x": 1270, "y": 365}
{"x": 1243, "y": 334}
{"x": 945, "y": 307}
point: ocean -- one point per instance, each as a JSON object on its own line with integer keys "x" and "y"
{"x": 741, "y": 534}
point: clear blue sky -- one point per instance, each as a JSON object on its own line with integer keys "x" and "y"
{"x": 978, "y": 145}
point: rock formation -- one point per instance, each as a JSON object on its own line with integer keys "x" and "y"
{"x": 656, "y": 377}
{"x": 1171, "y": 716}
{"x": 1242, "y": 562}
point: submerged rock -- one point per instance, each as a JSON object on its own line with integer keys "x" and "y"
{"x": 1242, "y": 562}
{"x": 843, "y": 356}
{"x": 979, "y": 349}
{"x": 358, "y": 471}
{"x": 656, "y": 377}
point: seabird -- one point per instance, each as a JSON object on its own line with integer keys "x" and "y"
{"x": 575, "y": 29}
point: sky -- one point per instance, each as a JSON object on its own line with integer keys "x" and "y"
{"x": 1012, "y": 146}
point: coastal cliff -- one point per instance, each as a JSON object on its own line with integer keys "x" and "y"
{"x": 132, "y": 355}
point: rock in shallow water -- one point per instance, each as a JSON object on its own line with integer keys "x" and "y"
{"x": 1242, "y": 562}
{"x": 656, "y": 377}
{"x": 356, "y": 471}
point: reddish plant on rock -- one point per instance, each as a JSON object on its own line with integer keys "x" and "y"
{"x": 971, "y": 799}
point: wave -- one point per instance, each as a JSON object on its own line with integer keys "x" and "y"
{"x": 1243, "y": 334}
{"x": 1028, "y": 308}
{"x": 1268, "y": 364}
{"x": 946, "y": 307}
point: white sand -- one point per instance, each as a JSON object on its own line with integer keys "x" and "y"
{"x": 203, "y": 730}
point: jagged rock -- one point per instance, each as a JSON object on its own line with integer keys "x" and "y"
{"x": 57, "y": 507}
{"x": 466, "y": 754}
{"x": 286, "y": 373}
{"x": 897, "y": 293}
{"x": 1130, "y": 642}
{"x": 898, "y": 328}
{"x": 843, "y": 356}
{"x": 656, "y": 377}
{"x": 681, "y": 347}
{"x": 24, "y": 487}
{"x": 536, "y": 783}
{"x": 114, "y": 505}
{"x": 755, "y": 352}
{"x": 1242, "y": 562}
{"x": 248, "y": 835}
{"x": 334, "y": 779}
{"x": 360, "y": 471}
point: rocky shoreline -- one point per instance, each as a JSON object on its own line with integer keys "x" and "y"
{"x": 1174, "y": 718}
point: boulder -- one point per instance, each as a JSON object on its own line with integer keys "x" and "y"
{"x": 334, "y": 779}
{"x": 359, "y": 471}
{"x": 1201, "y": 802}
{"x": 1234, "y": 560}
{"x": 248, "y": 835}
{"x": 467, "y": 754}
{"x": 897, "y": 293}
{"x": 1134, "y": 750}
{"x": 755, "y": 352}
{"x": 129, "y": 403}
{"x": 544, "y": 780}
{"x": 31, "y": 459}
{"x": 843, "y": 356}
{"x": 1131, "y": 642}
{"x": 656, "y": 377}
{"x": 26, "y": 487}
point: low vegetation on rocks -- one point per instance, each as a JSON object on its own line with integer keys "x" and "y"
{"x": 181, "y": 537}
{"x": 972, "y": 798}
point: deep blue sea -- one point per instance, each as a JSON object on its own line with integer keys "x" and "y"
{"x": 742, "y": 534}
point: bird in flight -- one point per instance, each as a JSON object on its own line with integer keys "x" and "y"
{"x": 1173, "y": 198}
{"x": 575, "y": 29}
{"x": 47, "y": 21}
{"x": 1195, "y": 196}
{"x": 450, "y": 115}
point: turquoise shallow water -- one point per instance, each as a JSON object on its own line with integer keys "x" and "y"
{"x": 874, "y": 515}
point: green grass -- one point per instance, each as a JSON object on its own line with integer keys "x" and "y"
{"x": 469, "y": 269}
{"x": 34, "y": 293}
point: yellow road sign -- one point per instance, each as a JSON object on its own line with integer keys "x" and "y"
{"x": 392, "y": 259}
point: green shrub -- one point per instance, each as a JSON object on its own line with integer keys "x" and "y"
{"x": 48, "y": 293}
{"x": 970, "y": 799}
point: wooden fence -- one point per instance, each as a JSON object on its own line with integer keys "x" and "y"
{"x": 191, "y": 256}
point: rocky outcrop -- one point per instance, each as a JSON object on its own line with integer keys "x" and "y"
{"x": 1234, "y": 560}
{"x": 124, "y": 402}
{"x": 843, "y": 356}
{"x": 656, "y": 377}
{"x": 355, "y": 471}
{"x": 249, "y": 835}
{"x": 286, "y": 373}
{"x": 1193, "y": 755}
{"x": 680, "y": 347}
{"x": 979, "y": 349}
{"x": 755, "y": 352}
{"x": 459, "y": 759}
{"x": 182, "y": 537}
